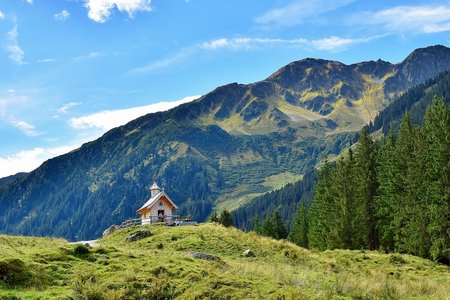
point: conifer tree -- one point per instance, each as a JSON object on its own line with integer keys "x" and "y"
{"x": 366, "y": 185}
{"x": 319, "y": 216}
{"x": 403, "y": 155}
{"x": 386, "y": 202}
{"x": 343, "y": 189}
{"x": 299, "y": 228}
{"x": 437, "y": 174}
{"x": 225, "y": 218}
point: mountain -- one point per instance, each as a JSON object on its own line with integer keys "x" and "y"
{"x": 415, "y": 100}
{"x": 220, "y": 151}
{"x": 206, "y": 262}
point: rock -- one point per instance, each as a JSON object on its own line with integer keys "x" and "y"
{"x": 248, "y": 253}
{"x": 205, "y": 256}
{"x": 104, "y": 256}
{"x": 110, "y": 230}
{"x": 138, "y": 235}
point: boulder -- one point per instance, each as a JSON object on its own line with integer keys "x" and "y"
{"x": 248, "y": 253}
{"x": 138, "y": 235}
{"x": 204, "y": 256}
{"x": 110, "y": 230}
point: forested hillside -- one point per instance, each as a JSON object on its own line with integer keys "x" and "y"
{"x": 393, "y": 196}
{"x": 288, "y": 199}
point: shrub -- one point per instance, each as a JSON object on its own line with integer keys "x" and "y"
{"x": 14, "y": 272}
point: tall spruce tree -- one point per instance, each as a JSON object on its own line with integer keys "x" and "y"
{"x": 404, "y": 152}
{"x": 437, "y": 175}
{"x": 366, "y": 185}
{"x": 319, "y": 216}
{"x": 299, "y": 228}
{"x": 341, "y": 232}
{"x": 386, "y": 203}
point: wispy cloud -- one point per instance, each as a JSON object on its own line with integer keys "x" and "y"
{"x": 29, "y": 1}
{"x": 109, "y": 119}
{"x": 26, "y": 128}
{"x": 299, "y": 11}
{"x": 330, "y": 44}
{"x": 2, "y": 15}
{"x": 16, "y": 54}
{"x": 408, "y": 19}
{"x": 47, "y": 60}
{"x": 100, "y": 10}
{"x": 91, "y": 55}
{"x": 166, "y": 62}
{"x": 62, "y": 16}
{"x": 66, "y": 107}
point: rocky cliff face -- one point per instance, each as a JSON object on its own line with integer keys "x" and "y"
{"x": 223, "y": 149}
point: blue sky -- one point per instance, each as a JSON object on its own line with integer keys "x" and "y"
{"x": 72, "y": 69}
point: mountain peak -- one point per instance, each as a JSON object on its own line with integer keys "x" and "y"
{"x": 424, "y": 63}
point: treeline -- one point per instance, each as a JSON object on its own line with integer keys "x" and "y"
{"x": 393, "y": 195}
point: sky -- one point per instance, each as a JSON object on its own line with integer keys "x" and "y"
{"x": 72, "y": 69}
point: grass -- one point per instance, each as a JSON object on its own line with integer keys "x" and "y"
{"x": 160, "y": 267}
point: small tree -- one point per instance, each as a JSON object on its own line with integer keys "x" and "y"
{"x": 214, "y": 217}
{"x": 225, "y": 218}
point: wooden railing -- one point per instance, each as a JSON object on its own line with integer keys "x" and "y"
{"x": 169, "y": 220}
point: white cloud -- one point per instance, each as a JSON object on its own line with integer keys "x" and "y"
{"x": 91, "y": 55}
{"x": 26, "y": 128}
{"x": 29, "y": 1}
{"x": 109, "y": 119}
{"x": 28, "y": 160}
{"x": 66, "y": 107}
{"x": 332, "y": 43}
{"x": 299, "y": 11}
{"x": 62, "y": 16}
{"x": 100, "y": 10}
{"x": 2, "y": 15}
{"x": 47, "y": 60}
{"x": 408, "y": 19}
{"x": 16, "y": 54}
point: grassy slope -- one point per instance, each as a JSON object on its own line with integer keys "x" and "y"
{"x": 160, "y": 266}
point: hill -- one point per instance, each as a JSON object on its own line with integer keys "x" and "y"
{"x": 222, "y": 150}
{"x": 162, "y": 266}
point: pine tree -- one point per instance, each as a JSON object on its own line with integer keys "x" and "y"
{"x": 319, "y": 216}
{"x": 273, "y": 226}
{"x": 416, "y": 239}
{"x": 437, "y": 175}
{"x": 225, "y": 218}
{"x": 343, "y": 190}
{"x": 366, "y": 185}
{"x": 299, "y": 228}
{"x": 386, "y": 202}
{"x": 404, "y": 152}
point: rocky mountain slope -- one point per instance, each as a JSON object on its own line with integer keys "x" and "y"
{"x": 229, "y": 146}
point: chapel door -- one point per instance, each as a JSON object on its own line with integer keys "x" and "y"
{"x": 161, "y": 215}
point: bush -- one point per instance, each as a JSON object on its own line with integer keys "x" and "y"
{"x": 14, "y": 272}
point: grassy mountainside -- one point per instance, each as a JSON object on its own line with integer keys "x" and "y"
{"x": 224, "y": 149}
{"x": 160, "y": 267}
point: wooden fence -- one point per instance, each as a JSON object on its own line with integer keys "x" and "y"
{"x": 169, "y": 220}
